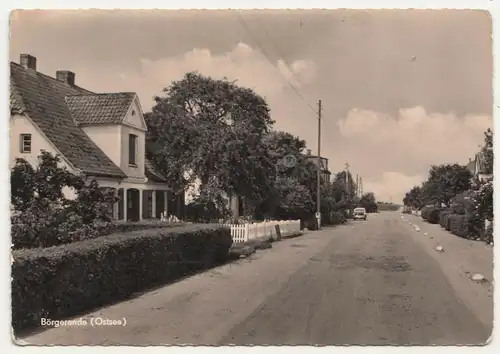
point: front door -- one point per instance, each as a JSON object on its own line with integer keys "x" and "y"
{"x": 133, "y": 212}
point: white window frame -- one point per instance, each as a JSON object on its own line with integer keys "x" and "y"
{"x": 24, "y": 141}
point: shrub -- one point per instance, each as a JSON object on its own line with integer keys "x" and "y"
{"x": 488, "y": 234}
{"x": 43, "y": 217}
{"x": 61, "y": 281}
{"x": 482, "y": 208}
{"x": 432, "y": 216}
{"x": 444, "y": 218}
{"x": 339, "y": 218}
{"x": 424, "y": 212}
{"x": 459, "y": 225}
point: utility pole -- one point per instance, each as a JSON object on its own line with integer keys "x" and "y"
{"x": 347, "y": 179}
{"x": 348, "y": 190}
{"x": 318, "y": 194}
{"x": 361, "y": 187}
{"x": 357, "y": 186}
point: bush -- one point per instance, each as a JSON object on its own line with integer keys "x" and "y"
{"x": 424, "y": 212}
{"x": 459, "y": 225}
{"x": 339, "y": 218}
{"x": 444, "y": 220}
{"x": 43, "y": 217}
{"x": 64, "y": 280}
{"x": 488, "y": 234}
{"x": 432, "y": 216}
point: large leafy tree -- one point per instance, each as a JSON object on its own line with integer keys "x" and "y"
{"x": 212, "y": 131}
{"x": 348, "y": 183}
{"x": 368, "y": 202}
{"x": 413, "y": 198}
{"x": 445, "y": 182}
{"x": 293, "y": 192}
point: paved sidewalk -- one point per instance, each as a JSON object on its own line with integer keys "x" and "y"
{"x": 460, "y": 260}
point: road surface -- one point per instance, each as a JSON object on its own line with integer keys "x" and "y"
{"x": 364, "y": 283}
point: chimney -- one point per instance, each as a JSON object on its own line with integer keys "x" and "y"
{"x": 308, "y": 151}
{"x": 28, "y": 61}
{"x": 68, "y": 77}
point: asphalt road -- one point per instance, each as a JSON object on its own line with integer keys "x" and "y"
{"x": 365, "y": 283}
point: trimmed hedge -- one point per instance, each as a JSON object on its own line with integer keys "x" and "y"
{"x": 433, "y": 215}
{"x": 444, "y": 219}
{"x": 64, "y": 280}
{"x": 459, "y": 225}
{"x": 424, "y": 212}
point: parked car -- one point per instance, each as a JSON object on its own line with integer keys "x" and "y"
{"x": 359, "y": 214}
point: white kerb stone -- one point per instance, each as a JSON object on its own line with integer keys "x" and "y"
{"x": 477, "y": 277}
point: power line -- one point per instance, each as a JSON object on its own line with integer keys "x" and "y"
{"x": 266, "y": 55}
{"x": 280, "y": 54}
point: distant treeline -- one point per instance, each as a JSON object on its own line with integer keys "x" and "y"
{"x": 383, "y": 206}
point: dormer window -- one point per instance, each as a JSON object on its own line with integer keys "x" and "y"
{"x": 25, "y": 143}
{"x": 132, "y": 150}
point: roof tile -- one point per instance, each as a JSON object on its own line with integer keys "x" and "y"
{"x": 42, "y": 98}
{"x": 102, "y": 108}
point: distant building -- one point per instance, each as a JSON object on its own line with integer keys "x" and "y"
{"x": 325, "y": 172}
{"x": 477, "y": 166}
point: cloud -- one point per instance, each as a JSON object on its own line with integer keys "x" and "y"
{"x": 243, "y": 63}
{"x": 390, "y": 152}
{"x": 408, "y": 144}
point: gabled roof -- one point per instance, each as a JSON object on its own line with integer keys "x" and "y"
{"x": 471, "y": 166}
{"x": 480, "y": 163}
{"x": 101, "y": 108}
{"x": 42, "y": 98}
{"x": 58, "y": 108}
{"x": 152, "y": 172}
{"x": 477, "y": 165}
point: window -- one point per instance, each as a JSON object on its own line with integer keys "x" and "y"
{"x": 25, "y": 143}
{"x": 132, "y": 149}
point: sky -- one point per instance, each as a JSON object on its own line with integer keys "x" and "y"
{"x": 400, "y": 89}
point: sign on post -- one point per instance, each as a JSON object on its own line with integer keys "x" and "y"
{"x": 318, "y": 215}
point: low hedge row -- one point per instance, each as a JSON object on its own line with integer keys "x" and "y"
{"x": 64, "y": 280}
{"x": 444, "y": 219}
{"x": 150, "y": 224}
{"x": 431, "y": 214}
{"x": 459, "y": 225}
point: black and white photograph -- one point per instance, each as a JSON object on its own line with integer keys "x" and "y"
{"x": 251, "y": 177}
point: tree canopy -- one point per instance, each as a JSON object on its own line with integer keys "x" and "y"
{"x": 368, "y": 202}
{"x": 413, "y": 198}
{"x": 212, "y": 131}
{"x": 445, "y": 182}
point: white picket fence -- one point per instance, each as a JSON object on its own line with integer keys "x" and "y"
{"x": 266, "y": 229}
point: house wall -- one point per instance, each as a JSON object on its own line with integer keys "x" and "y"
{"x": 107, "y": 137}
{"x": 133, "y": 171}
{"x": 134, "y": 116}
{"x": 20, "y": 124}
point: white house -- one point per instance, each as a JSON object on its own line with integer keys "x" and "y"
{"x": 97, "y": 135}
{"x": 477, "y": 167}
{"x": 325, "y": 172}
